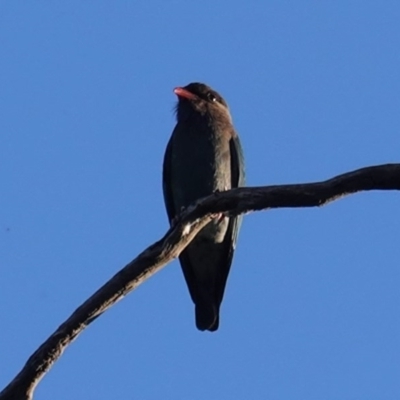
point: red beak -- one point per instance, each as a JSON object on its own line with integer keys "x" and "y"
{"x": 181, "y": 92}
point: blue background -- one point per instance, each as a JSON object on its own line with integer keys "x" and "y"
{"x": 312, "y": 305}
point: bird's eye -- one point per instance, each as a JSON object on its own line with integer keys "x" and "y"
{"x": 211, "y": 97}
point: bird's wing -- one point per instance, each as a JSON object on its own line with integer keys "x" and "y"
{"x": 237, "y": 162}
{"x": 172, "y": 212}
{"x": 237, "y": 180}
{"x": 167, "y": 183}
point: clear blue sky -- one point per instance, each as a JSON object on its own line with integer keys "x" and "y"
{"x": 312, "y": 307}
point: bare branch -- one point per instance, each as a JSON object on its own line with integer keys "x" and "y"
{"x": 191, "y": 221}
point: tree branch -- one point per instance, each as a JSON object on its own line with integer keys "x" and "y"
{"x": 189, "y": 223}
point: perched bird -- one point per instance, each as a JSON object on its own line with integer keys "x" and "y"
{"x": 203, "y": 156}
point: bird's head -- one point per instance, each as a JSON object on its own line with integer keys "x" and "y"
{"x": 199, "y": 99}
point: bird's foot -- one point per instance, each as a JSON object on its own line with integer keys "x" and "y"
{"x": 175, "y": 220}
{"x": 221, "y": 190}
{"x": 220, "y": 216}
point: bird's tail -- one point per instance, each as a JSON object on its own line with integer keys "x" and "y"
{"x": 207, "y": 317}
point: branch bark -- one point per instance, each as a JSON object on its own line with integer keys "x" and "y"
{"x": 189, "y": 223}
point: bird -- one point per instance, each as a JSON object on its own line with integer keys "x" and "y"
{"x": 204, "y": 155}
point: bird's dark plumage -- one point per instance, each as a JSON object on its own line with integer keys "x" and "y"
{"x": 204, "y": 155}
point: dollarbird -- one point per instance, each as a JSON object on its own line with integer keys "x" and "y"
{"x": 204, "y": 155}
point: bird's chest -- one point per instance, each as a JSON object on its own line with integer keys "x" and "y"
{"x": 201, "y": 164}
